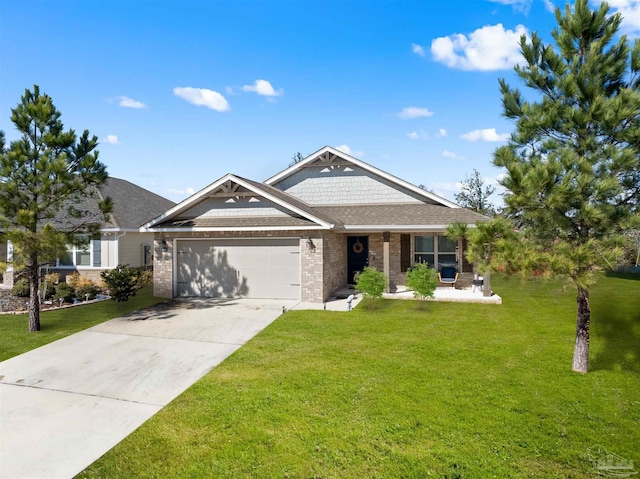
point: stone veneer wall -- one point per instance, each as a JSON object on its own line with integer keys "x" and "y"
{"x": 11, "y": 303}
{"x": 312, "y": 288}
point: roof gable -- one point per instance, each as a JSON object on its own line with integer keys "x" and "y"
{"x": 331, "y": 167}
{"x": 233, "y": 200}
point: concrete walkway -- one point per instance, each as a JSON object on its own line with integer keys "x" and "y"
{"x": 64, "y": 405}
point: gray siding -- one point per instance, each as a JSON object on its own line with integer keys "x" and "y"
{"x": 340, "y": 185}
{"x": 222, "y": 207}
{"x": 130, "y": 248}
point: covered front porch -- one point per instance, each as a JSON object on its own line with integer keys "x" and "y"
{"x": 395, "y": 252}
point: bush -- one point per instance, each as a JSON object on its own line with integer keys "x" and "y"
{"x": 21, "y": 288}
{"x": 372, "y": 284}
{"x": 81, "y": 282}
{"x": 121, "y": 282}
{"x": 49, "y": 281}
{"x": 64, "y": 291}
{"x": 88, "y": 289}
{"x": 423, "y": 281}
{"x": 145, "y": 278}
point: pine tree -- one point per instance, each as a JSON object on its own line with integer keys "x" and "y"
{"x": 48, "y": 195}
{"x": 475, "y": 195}
{"x": 573, "y": 163}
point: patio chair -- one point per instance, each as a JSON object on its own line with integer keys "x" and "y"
{"x": 448, "y": 275}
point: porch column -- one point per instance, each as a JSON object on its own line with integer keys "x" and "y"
{"x": 486, "y": 285}
{"x": 385, "y": 258}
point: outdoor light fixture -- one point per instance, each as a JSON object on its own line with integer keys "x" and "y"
{"x": 164, "y": 247}
{"x": 310, "y": 244}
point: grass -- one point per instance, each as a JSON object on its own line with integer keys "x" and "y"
{"x": 15, "y": 337}
{"x": 455, "y": 390}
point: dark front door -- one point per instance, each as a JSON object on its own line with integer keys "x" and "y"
{"x": 357, "y": 255}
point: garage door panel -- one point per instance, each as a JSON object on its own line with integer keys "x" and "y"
{"x": 228, "y": 268}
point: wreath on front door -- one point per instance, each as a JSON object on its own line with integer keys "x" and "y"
{"x": 357, "y": 247}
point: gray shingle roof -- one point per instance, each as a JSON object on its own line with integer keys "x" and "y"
{"x": 133, "y": 205}
{"x": 237, "y": 222}
{"x": 400, "y": 214}
{"x": 411, "y": 215}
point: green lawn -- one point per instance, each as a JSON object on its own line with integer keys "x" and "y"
{"x": 457, "y": 390}
{"x": 15, "y": 337}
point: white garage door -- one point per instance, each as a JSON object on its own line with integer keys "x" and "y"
{"x": 252, "y": 268}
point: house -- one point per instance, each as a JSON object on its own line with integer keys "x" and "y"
{"x": 121, "y": 240}
{"x": 303, "y": 233}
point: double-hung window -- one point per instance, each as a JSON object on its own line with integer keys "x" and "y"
{"x": 84, "y": 256}
{"x": 436, "y": 251}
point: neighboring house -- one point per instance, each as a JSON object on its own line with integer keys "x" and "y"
{"x": 303, "y": 233}
{"x": 120, "y": 242}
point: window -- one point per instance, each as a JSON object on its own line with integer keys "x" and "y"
{"x": 423, "y": 249}
{"x": 446, "y": 252}
{"x": 82, "y": 256}
{"x": 435, "y": 251}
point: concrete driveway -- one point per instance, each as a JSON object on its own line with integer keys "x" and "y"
{"x": 64, "y": 405}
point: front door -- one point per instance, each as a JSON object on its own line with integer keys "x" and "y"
{"x": 357, "y": 255}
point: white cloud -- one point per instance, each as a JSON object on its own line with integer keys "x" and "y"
{"x": 111, "y": 140}
{"x": 487, "y": 134}
{"x": 488, "y": 48}
{"x": 202, "y": 97}
{"x": 263, "y": 87}
{"x": 414, "y": 112}
{"x": 549, "y": 6}
{"x": 441, "y": 133}
{"x": 349, "y": 151}
{"x": 418, "y": 135}
{"x": 188, "y": 191}
{"x": 126, "y": 102}
{"x": 630, "y": 10}
{"x": 518, "y": 5}
{"x": 449, "y": 154}
{"x": 418, "y": 49}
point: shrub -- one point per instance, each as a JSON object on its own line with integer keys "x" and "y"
{"x": 21, "y": 288}
{"x": 121, "y": 282}
{"x": 423, "y": 281}
{"x": 53, "y": 278}
{"x": 372, "y": 284}
{"x": 80, "y": 282}
{"x": 64, "y": 291}
{"x": 145, "y": 278}
{"x": 88, "y": 289}
{"x": 49, "y": 282}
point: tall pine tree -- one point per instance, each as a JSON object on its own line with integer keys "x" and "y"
{"x": 48, "y": 193}
{"x": 573, "y": 163}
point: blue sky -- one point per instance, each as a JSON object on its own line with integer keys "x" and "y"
{"x": 182, "y": 92}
